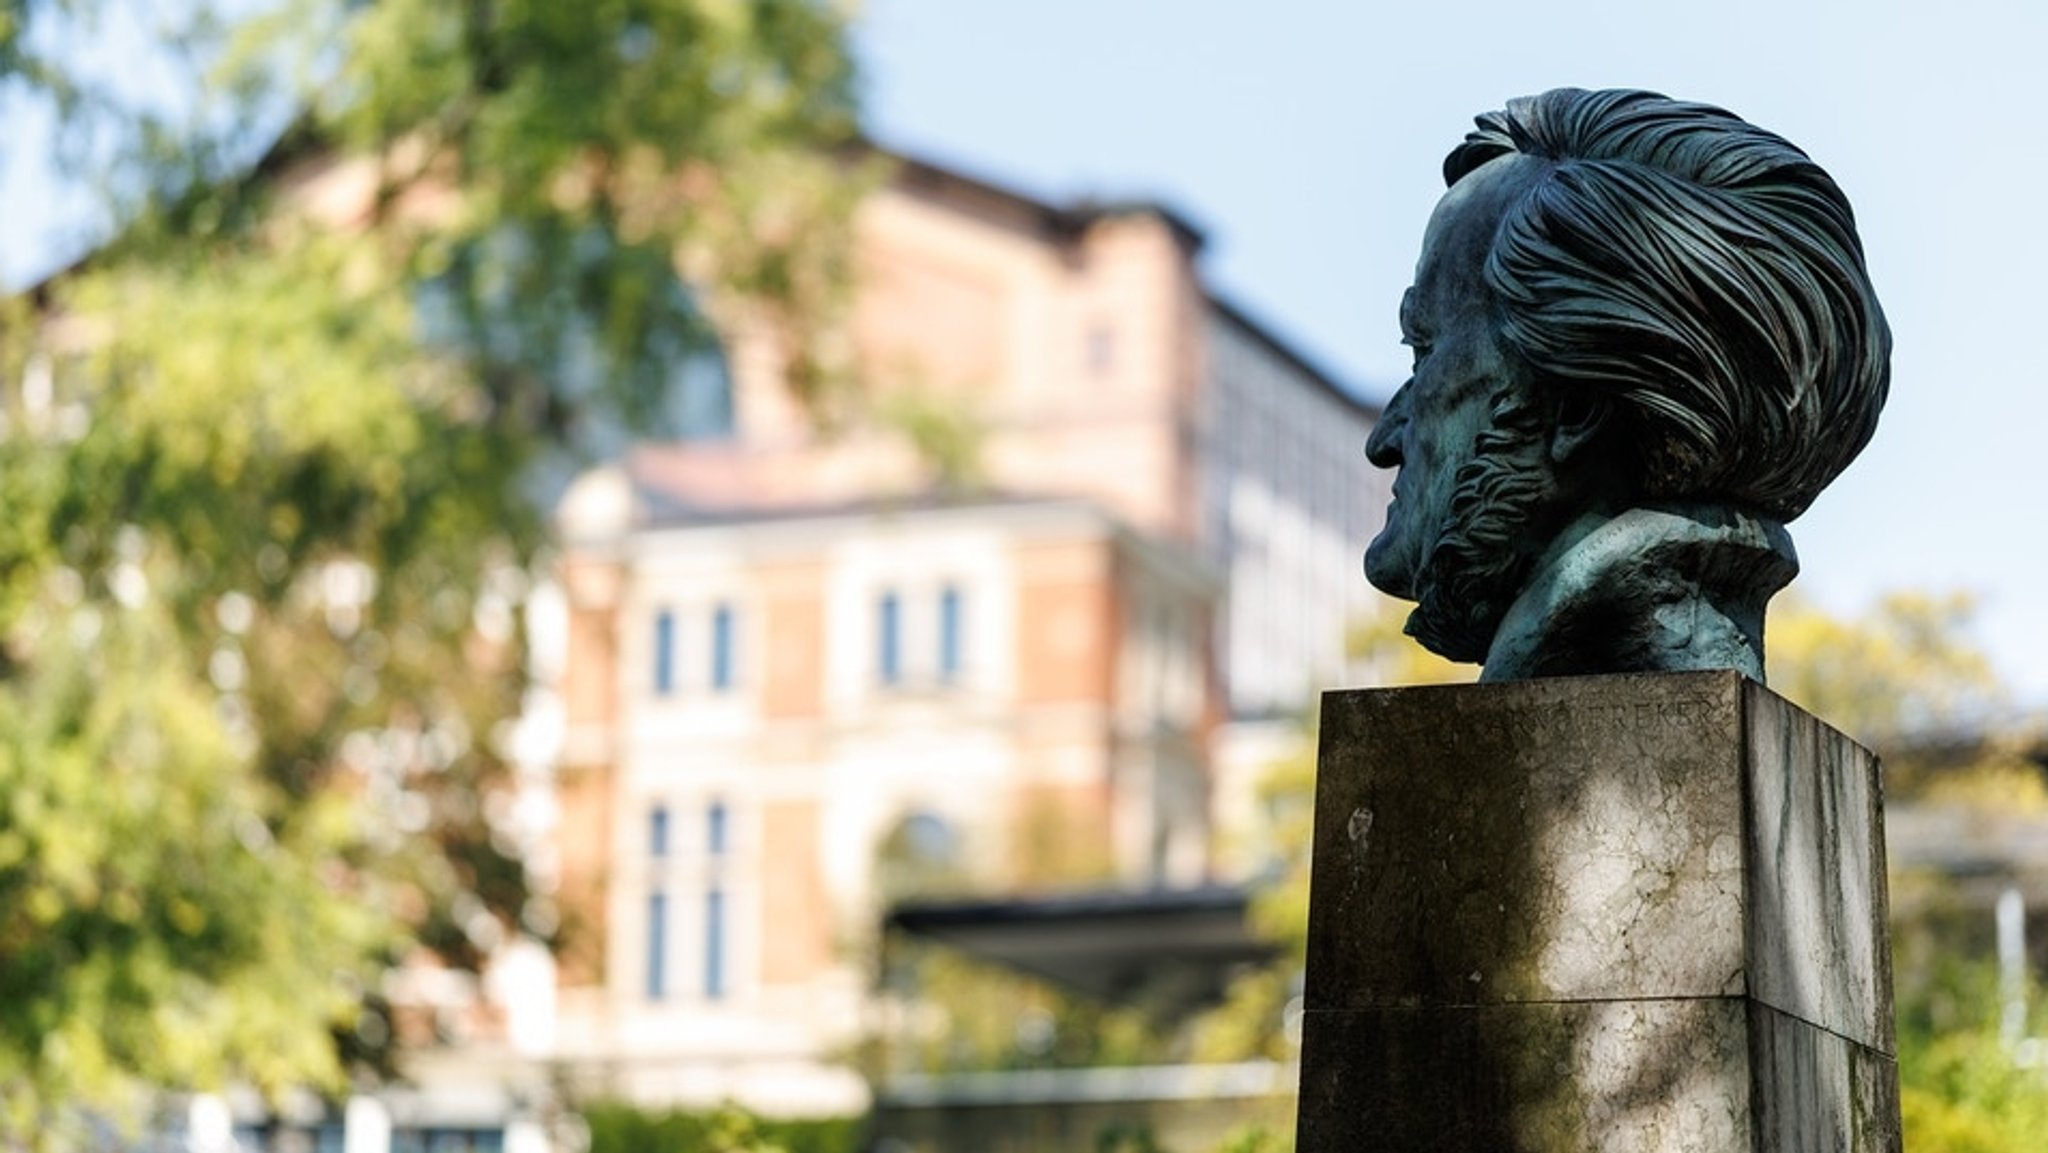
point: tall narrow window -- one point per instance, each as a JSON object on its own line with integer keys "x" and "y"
{"x": 714, "y": 828}
{"x": 664, "y": 652}
{"x": 888, "y": 626}
{"x": 657, "y": 945}
{"x": 657, "y": 832}
{"x": 714, "y": 944}
{"x": 721, "y": 647}
{"x": 949, "y": 634}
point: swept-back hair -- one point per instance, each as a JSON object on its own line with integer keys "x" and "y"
{"x": 1702, "y": 273}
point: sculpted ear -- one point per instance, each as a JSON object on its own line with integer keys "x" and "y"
{"x": 1581, "y": 420}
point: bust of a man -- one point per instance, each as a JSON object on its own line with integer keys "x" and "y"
{"x": 1644, "y": 340}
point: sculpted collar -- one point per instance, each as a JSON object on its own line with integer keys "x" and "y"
{"x": 1662, "y": 588}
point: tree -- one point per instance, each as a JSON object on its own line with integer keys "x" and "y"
{"x": 1904, "y": 668}
{"x": 271, "y": 486}
{"x": 616, "y": 1127}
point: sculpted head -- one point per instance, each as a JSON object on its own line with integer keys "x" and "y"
{"x": 1624, "y": 302}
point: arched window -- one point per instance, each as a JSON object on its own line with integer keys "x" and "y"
{"x": 922, "y": 856}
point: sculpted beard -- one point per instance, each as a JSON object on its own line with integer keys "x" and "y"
{"x": 1477, "y": 566}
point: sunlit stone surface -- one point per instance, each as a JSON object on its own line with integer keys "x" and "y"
{"x": 1613, "y": 913}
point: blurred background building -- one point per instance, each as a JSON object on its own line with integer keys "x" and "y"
{"x": 1000, "y": 635}
{"x": 807, "y": 669}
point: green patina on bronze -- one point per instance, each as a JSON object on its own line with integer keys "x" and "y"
{"x": 1645, "y": 339}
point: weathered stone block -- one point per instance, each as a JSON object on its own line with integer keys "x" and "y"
{"x": 1616, "y": 913}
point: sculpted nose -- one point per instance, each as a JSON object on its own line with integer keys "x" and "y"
{"x": 1383, "y": 447}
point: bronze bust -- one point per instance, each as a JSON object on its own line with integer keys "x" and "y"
{"x": 1644, "y": 339}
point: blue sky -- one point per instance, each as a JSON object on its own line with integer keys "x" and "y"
{"x": 1307, "y": 136}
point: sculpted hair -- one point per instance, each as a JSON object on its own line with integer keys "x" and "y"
{"x": 1701, "y": 273}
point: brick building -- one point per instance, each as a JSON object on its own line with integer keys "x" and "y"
{"x": 794, "y": 668}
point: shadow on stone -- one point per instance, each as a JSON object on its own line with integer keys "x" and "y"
{"x": 1594, "y": 913}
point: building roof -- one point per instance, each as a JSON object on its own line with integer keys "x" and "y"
{"x": 299, "y": 144}
{"x": 1166, "y": 949}
{"x": 666, "y": 511}
{"x": 922, "y": 174}
{"x": 1264, "y": 335}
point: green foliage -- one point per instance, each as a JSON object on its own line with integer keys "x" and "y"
{"x": 1961, "y": 1090}
{"x": 228, "y": 692}
{"x": 610, "y": 139}
{"x": 143, "y": 875}
{"x": 1255, "y": 1138}
{"x": 1250, "y": 1022}
{"x": 1379, "y": 645}
{"x": 616, "y": 1127}
{"x": 1906, "y": 680}
{"x": 960, "y": 1015}
{"x": 1127, "y": 1137}
{"x": 945, "y": 432}
{"x": 270, "y": 471}
{"x": 1905, "y": 667}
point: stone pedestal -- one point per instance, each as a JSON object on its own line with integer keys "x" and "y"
{"x": 1628, "y": 913}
